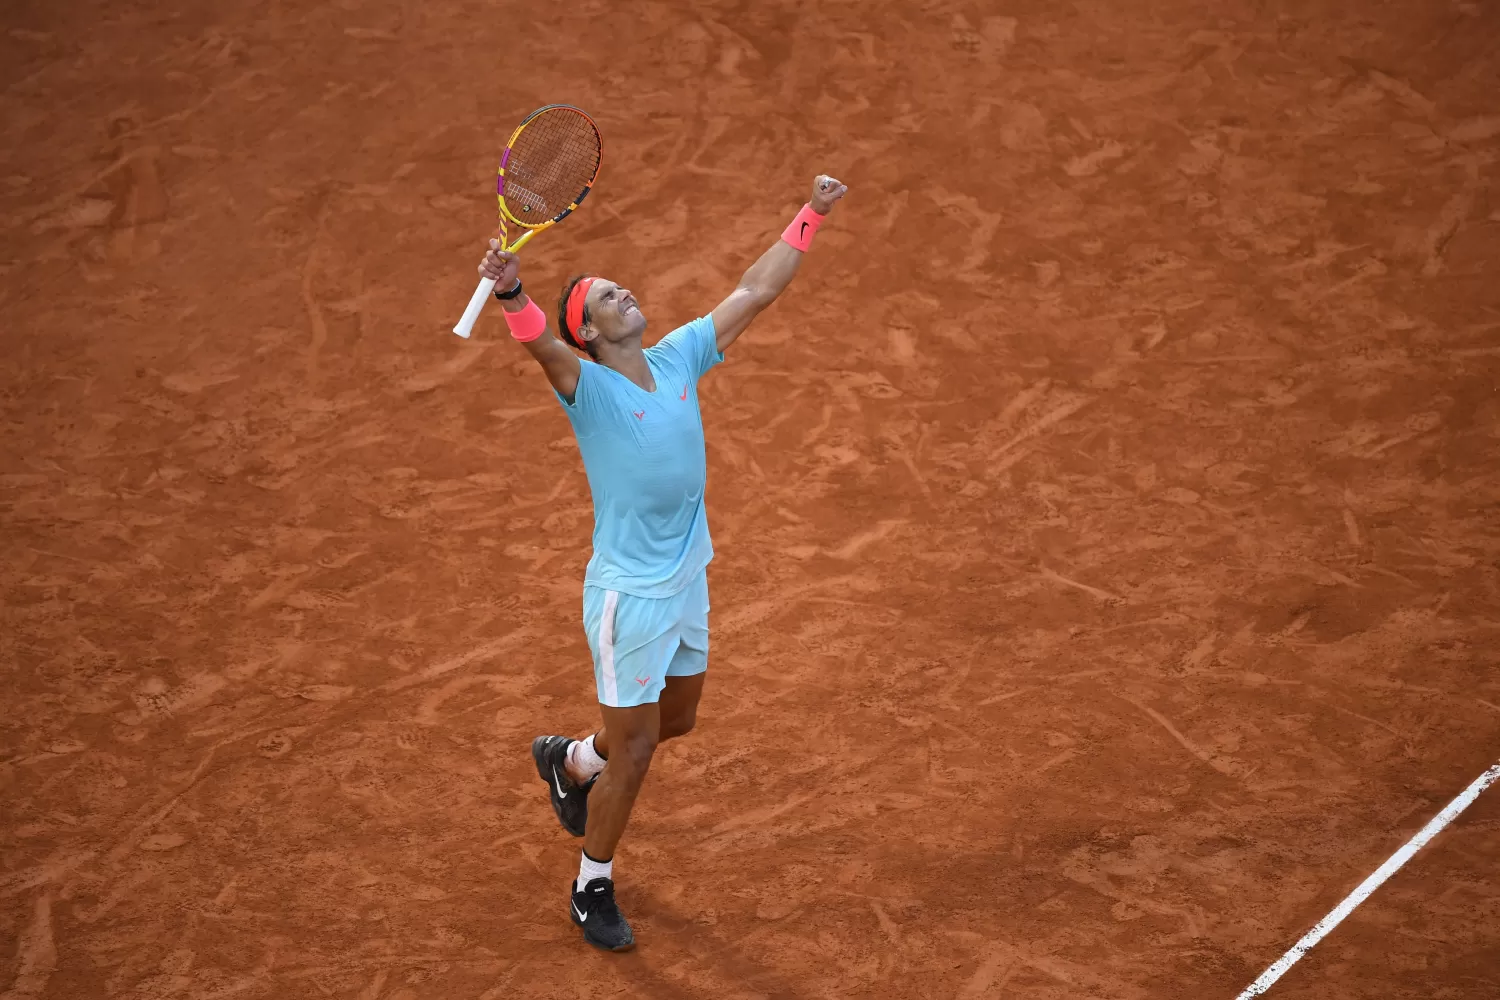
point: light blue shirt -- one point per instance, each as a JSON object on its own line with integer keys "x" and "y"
{"x": 647, "y": 467}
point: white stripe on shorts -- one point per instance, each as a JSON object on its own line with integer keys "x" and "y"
{"x": 607, "y": 648}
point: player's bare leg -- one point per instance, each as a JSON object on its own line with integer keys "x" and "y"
{"x": 638, "y": 732}
{"x": 635, "y": 733}
{"x": 679, "y": 705}
{"x": 679, "y": 714}
{"x": 570, "y": 767}
{"x": 628, "y": 739}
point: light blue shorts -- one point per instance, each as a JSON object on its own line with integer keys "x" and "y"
{"x": 638, "y": 642}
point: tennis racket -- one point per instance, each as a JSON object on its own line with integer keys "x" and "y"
{"x": 548, "y": 168}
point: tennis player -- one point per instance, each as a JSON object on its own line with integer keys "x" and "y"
{"x": 634, "y": 412}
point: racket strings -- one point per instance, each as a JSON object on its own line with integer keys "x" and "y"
{"x": 549, "y": 178}
{"x": 552, "y": 161}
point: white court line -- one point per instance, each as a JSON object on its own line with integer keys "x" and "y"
{"x": 1369, "y": 885}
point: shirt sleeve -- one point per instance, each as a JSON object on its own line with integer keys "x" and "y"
{"x": 590, "y": 398}
{"x": 693, "y": 345}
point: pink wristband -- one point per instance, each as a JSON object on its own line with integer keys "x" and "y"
{"x": 802, "y": 229}
{"x": 528, "y": 324}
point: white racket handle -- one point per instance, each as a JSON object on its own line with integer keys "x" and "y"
{"x": 476, "y": 306}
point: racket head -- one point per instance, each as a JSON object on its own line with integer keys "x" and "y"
{"x": 549, "y": 166}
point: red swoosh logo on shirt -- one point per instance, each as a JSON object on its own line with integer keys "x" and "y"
{"x": 639, "y": 414}
{"x": 684, "y": 393}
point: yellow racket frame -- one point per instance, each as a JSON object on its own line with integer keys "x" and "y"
{"x": 532, "y": 228}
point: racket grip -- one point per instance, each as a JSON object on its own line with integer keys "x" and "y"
{"x": 476, "y": 306}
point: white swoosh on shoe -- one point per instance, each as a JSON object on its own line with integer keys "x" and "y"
{"x": 560, "y": 793}
{"x": 582, "y": 917}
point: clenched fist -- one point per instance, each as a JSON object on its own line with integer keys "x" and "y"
{"x": 826, "y": 191}
{"x": 502, "y": 266}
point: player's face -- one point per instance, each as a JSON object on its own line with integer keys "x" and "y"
{"x": 614, "y": 313}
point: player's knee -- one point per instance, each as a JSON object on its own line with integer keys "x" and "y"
{"x": 679, "y": 725}
{"x": 635, "y": 755}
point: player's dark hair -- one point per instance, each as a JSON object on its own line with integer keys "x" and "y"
{"x": 570, "y": 337}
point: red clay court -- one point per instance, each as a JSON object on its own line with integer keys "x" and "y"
{"x": 1108, "y": 517}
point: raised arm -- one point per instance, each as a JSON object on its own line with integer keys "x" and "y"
{"x": 769, "y": 276}
{"x": 561, "y": 364}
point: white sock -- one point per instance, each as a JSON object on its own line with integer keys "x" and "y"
{"x": 585, "y": 760}
{"x": 589, "y": 869}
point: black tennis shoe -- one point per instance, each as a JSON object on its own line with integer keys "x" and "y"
{"x": 594, "y": 911}
{"x": 569, "y": 800}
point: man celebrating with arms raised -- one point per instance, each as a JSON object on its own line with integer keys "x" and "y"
{"x": 635, "y": 415}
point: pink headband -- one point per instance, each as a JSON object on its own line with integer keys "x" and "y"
{"x": 576, "y": 299}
